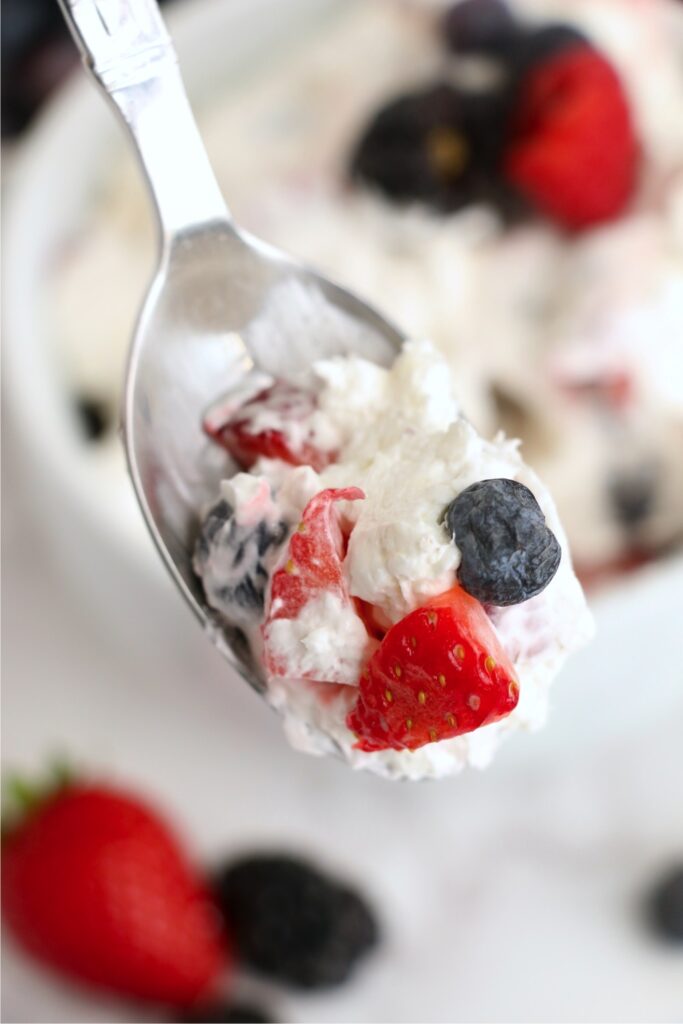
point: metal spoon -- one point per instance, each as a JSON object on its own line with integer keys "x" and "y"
{"x": 222, "y": 303}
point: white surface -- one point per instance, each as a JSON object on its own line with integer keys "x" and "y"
{"x": 506, "y": 896}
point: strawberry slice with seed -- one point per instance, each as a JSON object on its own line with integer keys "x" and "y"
{"x": 438, "y": 673}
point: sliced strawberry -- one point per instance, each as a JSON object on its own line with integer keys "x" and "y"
{"x": 573, "y": 149}
{"x": 439, "y": 672}
{"x": 247, "y": 435}
{"x": 313, "y": 565}
{"x": 314, "y": 556}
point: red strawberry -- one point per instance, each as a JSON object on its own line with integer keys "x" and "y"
{"x": 439, "y": 672}
{"x": 95, "y": 885}
{"x": 247, "y": 440}
{"x": 313, "y": 564}
{"x": 573, "y": 150}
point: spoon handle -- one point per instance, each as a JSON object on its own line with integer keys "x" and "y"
{"x": 127, "y": 50}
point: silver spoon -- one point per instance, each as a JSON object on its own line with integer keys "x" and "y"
{"x": 221, "y": 305}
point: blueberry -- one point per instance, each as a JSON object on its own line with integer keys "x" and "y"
{"x": 508, "y": 554}
{"x": 479, "y": 26}
{"x": 240, "y": 550}
{"x": 632, "y": 495}
{"x": 293, "y": 923}
{"x": 439, "y": 146}
{"x": 666, "y": 905}
{"x": 226, "y": 1013}
{"x": 94, "y": 415}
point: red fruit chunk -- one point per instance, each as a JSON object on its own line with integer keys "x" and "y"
{"x": 439, "y": 672}
{"x": 93, "y": 884}
{"x": 313, "y": 564}
{"x": 239, "y": 431}
{"x": 314, "y": 555}
{"x": 573, "y": 150}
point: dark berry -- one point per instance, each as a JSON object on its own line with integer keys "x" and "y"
{"x": 632, "y": 495}
{"x": 479, "y": 26}
{"x": 240, "y": 549}
{"x": 37, "y": 52}
{"x": 540, "y": 44}
{"x": 439, "y": 146}
{"x": 226, "y": 1013}
{"x": 508, "y": 554}
{"x": 27, "y": 22}
{"x": 666, "y": 905}
{"x": 293, "y": 923}
{"x": 95, "y": 417}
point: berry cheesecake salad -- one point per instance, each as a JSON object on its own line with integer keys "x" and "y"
{"x": 404, "y": 584}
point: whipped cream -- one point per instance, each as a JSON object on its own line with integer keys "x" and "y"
{"x": 403, "y": 440}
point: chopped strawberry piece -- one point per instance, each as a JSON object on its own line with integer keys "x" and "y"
{"x": 573, "y": 150}
{"x": 439, "y": 672}
{"x": 247, "y": 435}
{"x": 313, "y": 565}
{"x": 314, "y": 556}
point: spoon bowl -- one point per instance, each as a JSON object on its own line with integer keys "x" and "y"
{"x": 221, "y": 305}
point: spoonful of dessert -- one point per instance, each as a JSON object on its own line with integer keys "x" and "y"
{"x": 222, "y": 304}
{"x": 397, "y": 587}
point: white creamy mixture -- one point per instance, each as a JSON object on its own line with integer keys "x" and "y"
{"x": 522, "y": 316}
{"x": 403, "y": 440}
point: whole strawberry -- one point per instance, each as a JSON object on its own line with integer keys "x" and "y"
{"x": 95, "y": 885}
{"x": 573, "y": 151}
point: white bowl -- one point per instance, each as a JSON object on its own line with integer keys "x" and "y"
{"x": 630, "y": 672}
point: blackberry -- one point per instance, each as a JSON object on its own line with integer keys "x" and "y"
{"x": 479, "y": 26}
{"x": 94, "y": 416}
{"x": 240, "y": 549}
{"x": 541, "y": 44}
{"x": 508, "y": 552}
{"x": 666, "y": 905}
{"x": 293, "y": 923}
{"x": 439, "y": 146}
{"x": 226, "y": 1013}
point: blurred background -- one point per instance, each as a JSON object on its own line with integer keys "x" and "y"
{"x": 374, "y": 138}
